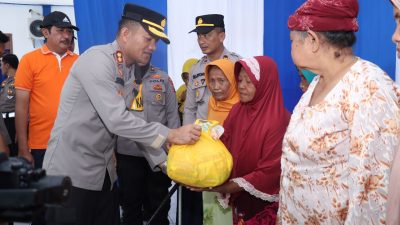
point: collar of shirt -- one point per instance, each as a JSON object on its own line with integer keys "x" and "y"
{"x": 45, "y": 50}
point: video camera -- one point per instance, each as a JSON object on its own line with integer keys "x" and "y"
{"x": 25, "y": 191}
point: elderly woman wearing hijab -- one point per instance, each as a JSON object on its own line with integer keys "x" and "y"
{"x": 220, "y": 79}
{"x": 344, "y": 131}
{"x": 393, "y": 212}
{"x": 254, "y": 131}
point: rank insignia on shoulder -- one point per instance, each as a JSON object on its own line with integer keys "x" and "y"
{"x": 10, "y": 92}
{"x": 157, "y": 87}
{"x": 156, "y": 76}
{"x": 119, "y": 57}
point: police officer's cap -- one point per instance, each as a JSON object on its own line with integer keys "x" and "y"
{"x": 207, "y": 23}
{"x": 58, "y": 19}
{"x": 153, "y": 22}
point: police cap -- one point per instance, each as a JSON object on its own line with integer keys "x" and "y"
{"x": 207, "y": 23}
{"x": 153, "y": 22}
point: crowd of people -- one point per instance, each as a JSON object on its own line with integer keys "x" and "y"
{"x": 108, "y": 126}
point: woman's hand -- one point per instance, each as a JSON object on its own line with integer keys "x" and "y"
{"x": 228, "y": 187}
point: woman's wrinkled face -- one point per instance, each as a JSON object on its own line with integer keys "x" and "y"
{"x": 297, "y": 50}
{"x": 218, "y": 84}
{"x": 246, "y": 88}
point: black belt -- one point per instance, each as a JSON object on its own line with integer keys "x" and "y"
{"x": 8, "y": 115}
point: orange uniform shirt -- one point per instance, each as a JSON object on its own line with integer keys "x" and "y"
{"x": 42, "y": 74}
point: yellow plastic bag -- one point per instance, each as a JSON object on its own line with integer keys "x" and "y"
{"x": 207, "y": 163}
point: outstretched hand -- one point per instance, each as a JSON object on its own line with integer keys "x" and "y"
{"x": 187, "y": 134}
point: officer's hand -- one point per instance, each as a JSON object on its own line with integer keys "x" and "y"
{"x": 187, "y": 134}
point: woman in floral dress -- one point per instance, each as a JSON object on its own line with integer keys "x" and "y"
{"x": 344, "y": 131}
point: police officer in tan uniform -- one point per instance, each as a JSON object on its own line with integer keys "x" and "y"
{"x": 143, "y": 185}
{"x": 92, "y": 113}
{"x": 9, "y": 66}
{"x": 210, "y": 31}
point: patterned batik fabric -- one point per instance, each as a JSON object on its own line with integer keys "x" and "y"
{"x": 337, "y": 154}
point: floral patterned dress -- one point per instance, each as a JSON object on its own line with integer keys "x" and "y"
{"x": 337, "y": 154}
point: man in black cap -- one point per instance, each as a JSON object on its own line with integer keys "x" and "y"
{"x": 3, "y": 40}
{"x": 210, "y": 31}
{"x": 38, "y": 83}
{"x": 93, "y": 111}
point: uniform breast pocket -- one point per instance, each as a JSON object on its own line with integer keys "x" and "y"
{"x": 199, "y": 86}
{"x": 157, "y": 94}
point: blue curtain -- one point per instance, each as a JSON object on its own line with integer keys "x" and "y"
{"x": 373, "y": 40}
{"x": 98, "y": 23}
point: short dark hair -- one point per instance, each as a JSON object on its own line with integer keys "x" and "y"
{"x": 11, "y": 59}
{"x": 340, "y": 39}
{"x": 3, "y": 38}
{"x": 220, "y": 29}
{"x": 125, "y": 23}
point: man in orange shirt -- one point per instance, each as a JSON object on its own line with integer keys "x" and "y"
{"x": 38, "y": 83}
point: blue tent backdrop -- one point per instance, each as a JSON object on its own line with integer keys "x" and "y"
{"x": 98, "y": 21}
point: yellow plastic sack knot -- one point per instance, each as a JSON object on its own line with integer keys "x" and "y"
{"x": 207, "y": 163}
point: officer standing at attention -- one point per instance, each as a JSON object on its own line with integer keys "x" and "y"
{"x": 143, "y": 186}
{"x": 9, "y": 65}
{"x": 92, "y": 112}
{"x": 210, "y": 31}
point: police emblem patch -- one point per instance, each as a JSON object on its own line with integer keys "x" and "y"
{"x": 157, "y": 97}
{"x": 157, "y": 87}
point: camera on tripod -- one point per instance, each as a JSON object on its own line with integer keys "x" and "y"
{"x": 25, "y": 191}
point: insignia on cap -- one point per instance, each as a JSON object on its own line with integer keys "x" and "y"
{"x": 65, "y": 20}
{"x": 163, "y": 22}
{"x": 200, "y": 21}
